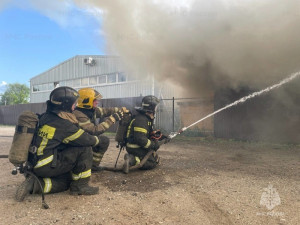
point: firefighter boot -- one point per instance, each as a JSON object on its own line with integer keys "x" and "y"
{"x": 96, "y": 167}
{"x": 25, "y": 188}
{"x": 81, "y": 187}
{"x": 129, "y": 160}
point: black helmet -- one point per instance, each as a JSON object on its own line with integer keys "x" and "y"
{"x": 63, "y": 98}
{"x": 149, "y": 103}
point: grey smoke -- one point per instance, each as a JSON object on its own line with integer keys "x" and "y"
{"x": 215, "y": 44}
{"x": 208, "y": 43}
{"x": 200, "y": 45}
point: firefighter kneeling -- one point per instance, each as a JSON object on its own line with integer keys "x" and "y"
{"x": 64, "y": 156}
{"x": 87, "y": 112}
{"x": 139, "y": 141}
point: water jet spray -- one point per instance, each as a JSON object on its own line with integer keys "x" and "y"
{"x": 241, "y": 100}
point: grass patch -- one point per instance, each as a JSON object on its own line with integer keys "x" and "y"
{"x": 2, "y": 125}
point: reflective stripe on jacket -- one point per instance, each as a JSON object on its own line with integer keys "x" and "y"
{"x": 87, "y": 119}
{"x": 138, "y": 133}
{"x": 57, "y": 133}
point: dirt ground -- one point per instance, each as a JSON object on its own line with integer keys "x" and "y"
{"x": 200, "y": 181}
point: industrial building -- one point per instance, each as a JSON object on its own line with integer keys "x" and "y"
{"x": 103, "y": 73}
{"x": 107, "y": 75}
{"x": 268, "y": 117}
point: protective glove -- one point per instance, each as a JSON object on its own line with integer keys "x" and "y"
{"x": 124, "y": 110}
{"x": 116, "y": 116}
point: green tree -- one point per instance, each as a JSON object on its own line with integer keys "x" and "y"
{"x": 15, "y": 94}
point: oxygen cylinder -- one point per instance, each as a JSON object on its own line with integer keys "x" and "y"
{"x": 122, "y": 128}
{"x": 23, "y": 136}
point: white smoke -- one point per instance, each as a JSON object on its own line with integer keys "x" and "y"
{"x": 246, "y": 98}
{"x": 199, "y": 45}
{"x": 203, "y": 44}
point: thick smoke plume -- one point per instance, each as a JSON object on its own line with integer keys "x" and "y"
{"x": 197, "y": 44}
{"x": 205, "y": 44}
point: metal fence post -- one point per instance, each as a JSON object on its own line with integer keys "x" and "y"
{"x": 173, "y": 109}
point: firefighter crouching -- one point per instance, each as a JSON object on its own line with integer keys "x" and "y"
{"x": 139, "y": 142}
{"x": 64, "y": 151}
{"x": 87, "y": 112}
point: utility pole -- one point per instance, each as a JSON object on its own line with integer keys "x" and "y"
{"x": 153, "y": 85}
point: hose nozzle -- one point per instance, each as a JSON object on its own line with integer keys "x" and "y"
{"x": 174, "y": 134}
{"x": 181, "y": 130}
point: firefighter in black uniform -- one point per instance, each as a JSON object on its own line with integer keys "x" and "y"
{"x": 63, "y": 158}
{"x": 138, "y": 136}
{"x": 87, "y": 112}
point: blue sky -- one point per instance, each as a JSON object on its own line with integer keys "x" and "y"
{"x": 32, "y": 41}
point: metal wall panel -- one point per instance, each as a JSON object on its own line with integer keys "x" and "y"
{"x": 9, "y": 114}
{"x": 75, "y": 68}
{"x": 117, "y": 90}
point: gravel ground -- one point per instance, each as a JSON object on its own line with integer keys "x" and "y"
{"x": 200, "y": 181}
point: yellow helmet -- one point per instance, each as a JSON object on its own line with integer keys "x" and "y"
{"x": 87, "y": 97}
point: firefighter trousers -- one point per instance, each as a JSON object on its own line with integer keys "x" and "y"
{"x": 72, "y": 164}
{"x": 100, "y": 149}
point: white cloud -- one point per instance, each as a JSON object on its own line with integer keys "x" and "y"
{"x": 66, "y": 13}
{"x": 3, "y": 86}
{"x": 59, "y": 11}
{"x": 63, "y": 12}
{"x": 3, "y": 83}
{"x": 4, "y": 3}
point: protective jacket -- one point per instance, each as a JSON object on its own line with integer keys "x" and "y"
{"x": 138, "y": 134}
{"x": 139, "y": 142}
{"x": 87, "y": 119}
{"x": 56, "y": 133}
{"x": 62, "y": 147}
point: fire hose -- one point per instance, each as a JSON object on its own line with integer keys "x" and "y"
{"x": 241, "y": 100}
{"x": 144, "y": 160}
